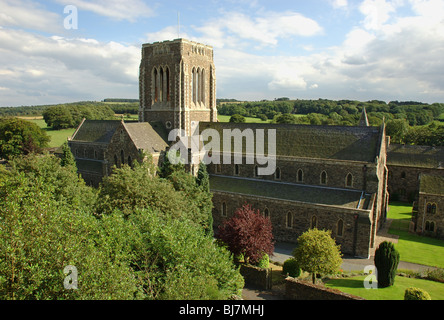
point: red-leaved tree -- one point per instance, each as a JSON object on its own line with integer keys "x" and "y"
{"x": 247, "y": 233}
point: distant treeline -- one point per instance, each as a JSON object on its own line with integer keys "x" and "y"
{"x": 407, "y": 122}
{"x": 116, "y": 106}
{"x": 342, "y": 112}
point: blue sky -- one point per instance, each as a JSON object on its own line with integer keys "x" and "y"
{"x": 332, "y": 49}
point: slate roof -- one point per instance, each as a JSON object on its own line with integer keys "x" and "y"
{"x": 416, "y": 156}
{"x": 96, "y": 131}
{"x": 431, "y": 184}
{"x": 145, "y": 137}
{"x": 289, "y": 191}
{"x": 317, "y": 142}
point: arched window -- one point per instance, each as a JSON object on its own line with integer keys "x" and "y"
{"x": 156, "y": 85}
{"x": 277, "y": 174}
{"x": 202, "y": 86}
{"x": 236, "y": 169}
{"x": 403, "y": 175}
{"x": 256, "y": 172}
{"x": 430, "y": 226}
{"x": 349, "y": 180}
{"x": 161, "y": 85}
{"x": 324, "y": 177}
{"x": 193, "y": 84}
{"x": 429, "y": 208}
{"x": 314, "y": 222}
{"x": 224, "y": 209}
{"x": 289, "y": 220}
{"x": 115, "y": 160}
{"x": 122, "y": 157}
{"x": 167, "y": 84}
{"x": 340, "y": 229}
{"x": 130, "y": 161}
{"x": 300, "y": 177}
{"x": 434, "y": 208}
{"x": 266, "y": 213}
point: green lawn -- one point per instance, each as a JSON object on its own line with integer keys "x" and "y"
{"x": 355, "y": 286}
{"x": 413, "y": 248}
{"x": 57, "y": 136}
{"x": 223, "y": 118}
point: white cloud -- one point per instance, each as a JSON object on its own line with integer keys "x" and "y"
{"x": 129, "y": 10}
{"x": 28, "y": 15}
{"x": 337, "y": 4}
{"x": 377, "y": 12}
{"x": 56, "y": 69}
{"x": 265, "y": 29}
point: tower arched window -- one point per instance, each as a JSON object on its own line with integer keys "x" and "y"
{"x": 156, "y": 85}
{"x": 167, "y": 90}
{"x": 202, "y": 86}
{"x": 236, "y": 170}
{"x": 161, "y": 85}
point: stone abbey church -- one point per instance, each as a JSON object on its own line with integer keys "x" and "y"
{"x": 329, "y": 177}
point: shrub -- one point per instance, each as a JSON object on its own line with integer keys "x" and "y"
{"x": 416, "y": 294}
{"x": 291, "y": 267}
{"x": 264, "y": 262}
{"x": 386, "y": 262}
{"x": 247, "y": 233}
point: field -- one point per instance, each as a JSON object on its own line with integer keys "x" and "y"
{"x": 223, "y": 118}
{"x": 57, "y": 136}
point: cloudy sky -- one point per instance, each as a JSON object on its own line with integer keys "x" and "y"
{"x": 332, "y": 49}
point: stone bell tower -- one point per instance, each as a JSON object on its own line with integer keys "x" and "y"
{"x": 177, "y": 84}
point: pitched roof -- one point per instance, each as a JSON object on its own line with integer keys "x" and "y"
{"x": 416, "y": 156}
{"x": 289, "y": 191}
{"x": 96, "y": 131}
{"x": 145, "y": 137}
{"x": 318, "y": 142}
{"x": 364, "y": 119}
{"x": 431, "y": 184}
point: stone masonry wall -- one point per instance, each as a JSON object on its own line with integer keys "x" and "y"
{"x": 356, "y": 223}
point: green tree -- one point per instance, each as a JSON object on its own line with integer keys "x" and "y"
{"x": 397, "y": 129}
{"x": 237, "y": 118}
{"x": 286, "y": 118}
{"x": 176, "y": 260}
{"x": 67, "y": 158}
{"x": 317, "y": 253}
{"x": 18, "y": 136}
{"x": 203, "y": 181}
{"x": 58, "y": 117}
{"x": 386, "y": 262}
{"x": 40, "y": 236}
